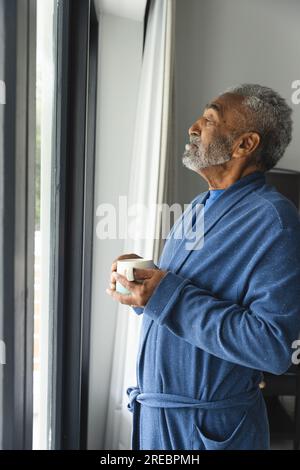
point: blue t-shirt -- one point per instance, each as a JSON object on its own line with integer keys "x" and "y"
{"x": 211, "y": 197}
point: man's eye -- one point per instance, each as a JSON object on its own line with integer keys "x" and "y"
{"x": 208, "y": 122}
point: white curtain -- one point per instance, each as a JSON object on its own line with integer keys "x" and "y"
{"x": 148, "y": 185}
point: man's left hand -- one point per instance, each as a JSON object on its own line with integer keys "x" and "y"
{"x": 140, "y": 293}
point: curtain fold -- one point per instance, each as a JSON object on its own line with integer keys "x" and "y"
{"x": 152, "y": 150}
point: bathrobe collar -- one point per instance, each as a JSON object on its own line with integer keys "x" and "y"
{"x": 224, "y": 203}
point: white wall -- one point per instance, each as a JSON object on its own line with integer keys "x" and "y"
{"x": 220, "y": 43}
{"x": 120, "y": 58}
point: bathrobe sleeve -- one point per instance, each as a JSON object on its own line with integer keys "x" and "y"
{"x": 258, "y": 334}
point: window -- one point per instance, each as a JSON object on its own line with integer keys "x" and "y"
{"x": 47, "y": 130}
{"x": 44, "y": 229}
{"x": 67, "y": 42}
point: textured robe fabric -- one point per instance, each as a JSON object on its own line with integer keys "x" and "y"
{"x": 221, "y": 316}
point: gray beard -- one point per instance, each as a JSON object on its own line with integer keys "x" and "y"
{"x": 197, "y": 156}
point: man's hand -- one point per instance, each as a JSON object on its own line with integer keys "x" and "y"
{"x": 140, "y": 293}
{"x": 114, "y": 267}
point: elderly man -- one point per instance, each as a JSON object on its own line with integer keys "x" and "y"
{"x": 217, "y": 317}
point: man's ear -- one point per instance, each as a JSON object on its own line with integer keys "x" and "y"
{"x": 246, "y": 144}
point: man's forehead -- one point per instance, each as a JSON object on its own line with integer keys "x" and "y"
{"x": 225, "y": 102}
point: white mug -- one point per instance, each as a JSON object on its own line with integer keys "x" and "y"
{"x": 125, "y": 267}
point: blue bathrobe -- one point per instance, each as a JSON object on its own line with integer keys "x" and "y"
{"x": 221, "y": 316}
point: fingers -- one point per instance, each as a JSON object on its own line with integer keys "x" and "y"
{"x": 140, "y": 274}
{"x": 129, "y": 285}
{"x": 112, "y": 278}
{"x": 123, "y": 299}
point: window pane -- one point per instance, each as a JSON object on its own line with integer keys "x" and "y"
{"x": 2, "y": 101}
{"x": 45, "y": 92}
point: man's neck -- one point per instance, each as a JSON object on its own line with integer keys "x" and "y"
{"x": 223, "y": 176}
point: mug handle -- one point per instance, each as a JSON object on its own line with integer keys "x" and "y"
{"x": 129, "y": 274}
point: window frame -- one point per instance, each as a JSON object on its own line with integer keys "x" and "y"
{"x": 18, "y": 222}
{"x": 74, "y": 147}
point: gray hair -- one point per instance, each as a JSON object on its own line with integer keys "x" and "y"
{"x": 270, "y": 116}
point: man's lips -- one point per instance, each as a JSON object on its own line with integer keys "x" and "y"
{"x": 190, "y": 146}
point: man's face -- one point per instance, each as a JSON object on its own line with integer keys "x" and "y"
{"x": 213, "y": 134}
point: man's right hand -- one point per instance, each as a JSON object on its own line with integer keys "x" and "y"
{"x": 114, "y": 267}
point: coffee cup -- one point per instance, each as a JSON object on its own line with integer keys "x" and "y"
{"x": 126, "y": 266}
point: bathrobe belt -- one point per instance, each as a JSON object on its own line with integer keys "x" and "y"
{"x": 166, "y": 400}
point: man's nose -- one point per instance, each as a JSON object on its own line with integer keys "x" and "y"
{"x": 195, "y": 129}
